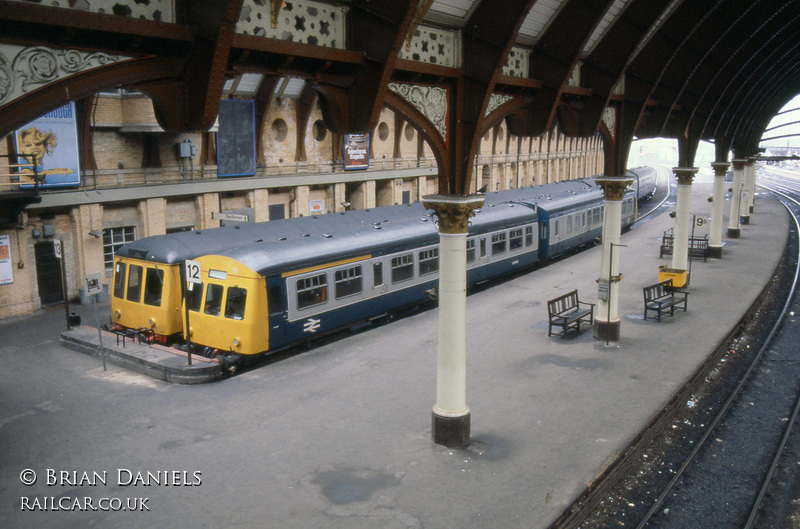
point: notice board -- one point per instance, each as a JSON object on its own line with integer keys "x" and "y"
{"x": 236, "y": 138}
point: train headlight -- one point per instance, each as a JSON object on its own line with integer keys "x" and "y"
{"x": 116, "y": 314}
{"x": 152, "y": 323}
{"x": 236, "y": 342}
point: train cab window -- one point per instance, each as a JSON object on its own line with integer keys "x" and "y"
{"x": 312, "y": 291}
{"x": 498, "y": 243}
{"x": 470, "y": 250}
{"x": 135, "y": 284}
{"x": 402, "y": 268}
{"x": 348, "y": 282}
{"x": 154, "y": 284}
{"x": 515, "y": 239}
{"x": 194, "y": 296}
{"x": 428, "y": 261}
{"x": 528, "y": 235}
{"x": 214, "y": 299}
{"x": 235, "y": 303}
{"x": 377, "y": 274}
{"x": 119, "y": 280}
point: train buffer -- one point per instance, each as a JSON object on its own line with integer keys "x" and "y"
{"x": 567, "y": 313}
{"x": 661, "y": 297}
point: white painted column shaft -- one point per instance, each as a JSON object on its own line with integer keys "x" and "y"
{"x": 738, "y": 174}
{"x": 451, "y": 399}
{"x": 607, "y": 310}
{"x": 715, "y": 228}
{"x": 680, "y": 248}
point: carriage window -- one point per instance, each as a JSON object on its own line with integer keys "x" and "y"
{"x": 135, "y": 284}
{"x": 528, "y": 235}
{"x": 470, "y": 250}
{"x": 555, "y": 228}
{"x": 214, "y": 299}
{"x": 194, "y": 296}
{"x": 498, "y": 243}
{"x": 515, "y": 239}
{"x": 428, "y": 261}
{"x": 377, "y": 274}
{"x": 402, "y": 268}
{"x": 153, "y": 287}
{"x": 348, "y": 282}
{"x": 312, "y": 291}
{"x": 234, "y": 304}
{"x": 569, "y": 224}
{"x": 483, "y": 247}
{"x": 119, "y": 280}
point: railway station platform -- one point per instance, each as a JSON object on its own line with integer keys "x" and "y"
{"x": 340, "y": 436}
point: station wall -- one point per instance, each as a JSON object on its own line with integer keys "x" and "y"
{"x": 134, "y": 184}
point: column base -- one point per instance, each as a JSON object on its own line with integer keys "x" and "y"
{"x": 607, "y": 330}
{"x": 734, "y": 233}
{"x": 715, "y": 252}
{"x": 452, "y": 432}
{"x": 745, "y": 219}
{"x": 751, "y": 209}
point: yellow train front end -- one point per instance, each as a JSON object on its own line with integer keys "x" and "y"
{"x": 147, "y": 297}
{"x": 228, "y": 310}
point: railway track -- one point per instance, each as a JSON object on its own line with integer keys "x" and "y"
{"x": 716, "y": 455}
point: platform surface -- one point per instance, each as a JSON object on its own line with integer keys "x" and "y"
{"x": 340, "y": 436}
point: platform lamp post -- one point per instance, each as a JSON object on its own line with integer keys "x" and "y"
{"x": 678, "y": 271}
{"x": 451, "y": 416}
{"x": 607, "y": 321}
{"x": 734, "y": 222}
{"x": 718, "y": 199}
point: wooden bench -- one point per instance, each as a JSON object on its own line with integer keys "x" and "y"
{"x": 566, "y": 312}
{"x": 662, "y": 297}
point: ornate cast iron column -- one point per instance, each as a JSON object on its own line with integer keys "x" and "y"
{"x": 734, "y": 222}
{"x": 715, "y": 229}
{"x": 607, "y": 322}
{"x": 451, "y": 417}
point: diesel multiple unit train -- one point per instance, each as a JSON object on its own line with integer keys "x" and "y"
{"x": 269, "y": 285}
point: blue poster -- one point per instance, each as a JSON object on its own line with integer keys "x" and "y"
{"x": 52, "y": 140}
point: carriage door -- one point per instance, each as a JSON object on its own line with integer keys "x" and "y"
{"x": 48, "y": 273}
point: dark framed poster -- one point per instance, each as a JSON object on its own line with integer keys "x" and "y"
{"x": 52, "y": 140}
{"x": 236, "y": 138}
{"x": 356, "y": 151}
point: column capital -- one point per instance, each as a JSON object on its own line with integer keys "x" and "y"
{"x": 685, "y": 175}
{"x": 738, "y": 165}
{"x": 720, "y": 168}
{"x": 752, "y": 160}
{"x": 613, "y": 186}
{"x": 453, "y": 211}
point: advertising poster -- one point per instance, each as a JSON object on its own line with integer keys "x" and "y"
{"x": 356, "y": 151}
{"x": 316, "y": 207}
{"x": 53, "y": 140}
{"x": 6, "y": 270}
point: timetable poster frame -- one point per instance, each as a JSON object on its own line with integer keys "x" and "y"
{"x": 53, "y": 138}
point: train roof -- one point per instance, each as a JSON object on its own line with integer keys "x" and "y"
{"x": 377, "y": 239}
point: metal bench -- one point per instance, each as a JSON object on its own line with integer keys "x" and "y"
{"x": 698, "y": 246}
{"x": 662, "y": 297}
{"x": 566, "y": 312}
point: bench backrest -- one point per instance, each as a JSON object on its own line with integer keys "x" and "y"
{"x": 662, "y": 288}
{"x": 563, "y": 303}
